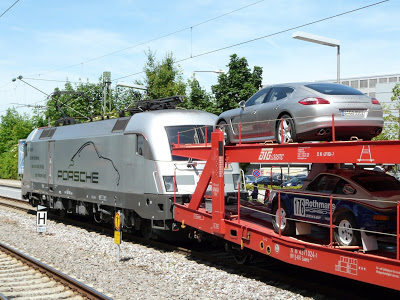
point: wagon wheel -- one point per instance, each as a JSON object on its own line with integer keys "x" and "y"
{"x": 241, "y": 256}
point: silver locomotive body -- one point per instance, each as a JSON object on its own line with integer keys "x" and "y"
{"x": 122, "y": 164}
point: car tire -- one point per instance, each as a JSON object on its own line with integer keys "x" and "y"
{"x": 224, "y": 127}
{"x": 344, "y": 233}
{"x": 289, "y": 130}
{"x": 288, "y": 227}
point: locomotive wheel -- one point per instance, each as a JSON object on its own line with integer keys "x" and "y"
{"x": 146, "y": 230}
{"x": 62, "y": 213}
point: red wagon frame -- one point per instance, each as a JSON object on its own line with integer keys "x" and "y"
{"x": 350, "y": 262}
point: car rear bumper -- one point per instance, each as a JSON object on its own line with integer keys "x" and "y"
{"x": 321, "y": 128}
{"x": 341, "y": 133}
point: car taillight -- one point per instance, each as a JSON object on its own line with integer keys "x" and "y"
{"x": 374, "y": 101}
{"x": 266, "y": 196}
{"x": 380, "y": 218}
{"x": 312, "y": 101}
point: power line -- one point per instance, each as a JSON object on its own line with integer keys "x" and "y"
{"x": 151, "y": 40}
{"x": 8, "y": 9}
{"x": 53, "y": 80}
{"x": 219, "y": 49}
{"x": 268, "y": 35}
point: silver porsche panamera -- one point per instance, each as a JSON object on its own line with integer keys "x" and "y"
{"x": 303, "y": 112}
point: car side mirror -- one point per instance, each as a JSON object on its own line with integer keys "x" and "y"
{"x": 241, "y": 104}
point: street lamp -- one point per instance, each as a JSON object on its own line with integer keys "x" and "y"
{"x": 308, "y": 37}
{"x": 217, "y": 71}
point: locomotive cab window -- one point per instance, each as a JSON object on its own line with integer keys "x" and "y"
{"x": 188, "y": 134}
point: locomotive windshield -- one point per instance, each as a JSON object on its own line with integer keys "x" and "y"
{"x": 188, "y": 134}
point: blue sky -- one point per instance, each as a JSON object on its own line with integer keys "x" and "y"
{"x": 60, "y": 40}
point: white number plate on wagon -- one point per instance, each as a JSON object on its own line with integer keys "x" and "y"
{"x": 353, "y": 113}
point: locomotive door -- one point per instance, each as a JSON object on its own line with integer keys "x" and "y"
{"x": 50, "y": 151}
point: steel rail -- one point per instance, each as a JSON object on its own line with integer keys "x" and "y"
{"x": 74, "y": 285}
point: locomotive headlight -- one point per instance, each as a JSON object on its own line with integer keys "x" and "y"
{"x": 236, "y": 179}
{"x": 169, "y": 183}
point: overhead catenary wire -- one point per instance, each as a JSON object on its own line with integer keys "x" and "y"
{"x": 219, "y": 49}
{"x": 8, "y": 8}
{"x": 151, "y": 40}
{"x": 266, "y": 36}
{"x": 211, "y": 51}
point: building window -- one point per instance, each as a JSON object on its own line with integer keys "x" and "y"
{"x": 372, "y": 83}
{"x": 392, "y": 79}
{"x": 372, "y": 94}
{"x": 354, "y": 84}
{"x": 363, "y": 83}
{"x": 345, "y": 82}
{"x": 382, "y": 80}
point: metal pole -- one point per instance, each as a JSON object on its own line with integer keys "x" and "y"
{"x": 338, "y": 64}
{"x": 398, "y": 231}
{"x": 239, "y": 202}
{"x": 280, "y": 217}
{"x": 240, "y": 133}
{"x": 330, "y": 223}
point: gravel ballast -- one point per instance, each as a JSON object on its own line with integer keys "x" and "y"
{"x": 142, "y": 273}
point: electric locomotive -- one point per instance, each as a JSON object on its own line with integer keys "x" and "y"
{"x": 97, "y": 168}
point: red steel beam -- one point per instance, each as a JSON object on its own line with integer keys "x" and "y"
{"x": 361, "y": 152}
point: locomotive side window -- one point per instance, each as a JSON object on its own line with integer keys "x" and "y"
{"x": 143, "y": 148}
{"x": 140, "y": 145}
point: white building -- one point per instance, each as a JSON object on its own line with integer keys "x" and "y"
{"x": 379, "y": 87}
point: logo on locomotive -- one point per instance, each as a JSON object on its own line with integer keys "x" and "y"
{"x": 78, "y": 176}
{"x": 88, "y": 155}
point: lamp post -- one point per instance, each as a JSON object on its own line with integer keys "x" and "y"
{"x": 217, "y": 71}
{"x": 308, "y": 37}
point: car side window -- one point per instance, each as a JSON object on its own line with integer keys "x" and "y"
{"x": 324, "y": 184}
{"x": 257, "y": 98}
{"x": 279, "y": 93}
{"x": 344, "y": 188}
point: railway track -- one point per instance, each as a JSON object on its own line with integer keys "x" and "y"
{"x": 24, "y": 277}
{"x": 262, "y": 268}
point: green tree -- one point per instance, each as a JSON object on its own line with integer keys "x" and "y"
{"x": 198, "y": 98}
{"x": 391, "y": 117}
{"x": 163, "y": 79}
{"x": 238, "y": 84}
{"x": 13, "y": 127}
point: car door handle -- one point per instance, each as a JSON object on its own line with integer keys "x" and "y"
{"x": 276, "y": 107}
{"x": 254, "y": 112}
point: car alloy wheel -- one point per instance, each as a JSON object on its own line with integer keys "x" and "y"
{"x": 287, "y": 226}
{"x": 287, "y": 132}
{"x": 345, "y": 233}
{"x": 224, "y": 127}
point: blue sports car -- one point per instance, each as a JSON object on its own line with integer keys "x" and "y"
{"x": 362, "y": 199}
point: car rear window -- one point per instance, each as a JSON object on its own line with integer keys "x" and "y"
{"x": 378, "y": 182}
{"x": 333, "y": 89}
